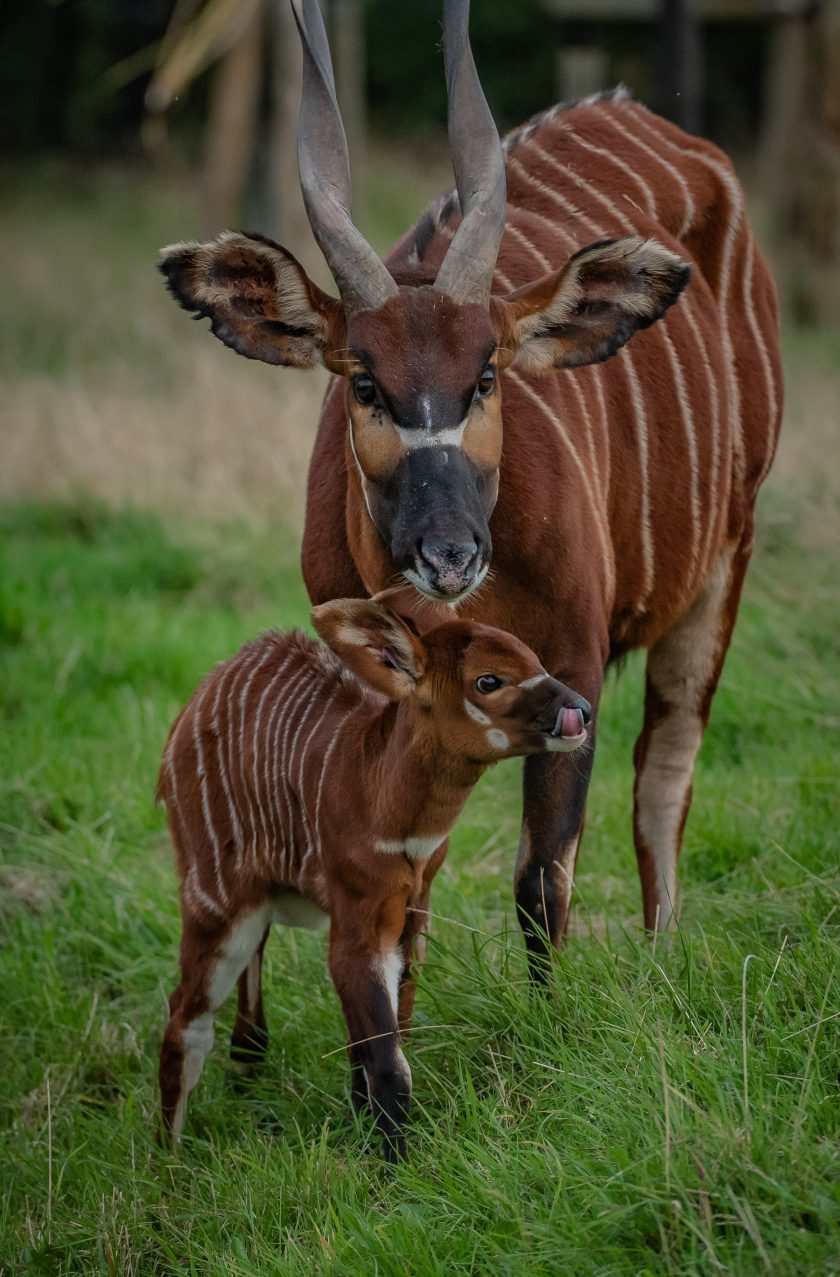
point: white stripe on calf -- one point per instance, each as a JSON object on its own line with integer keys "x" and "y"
{"x": 300, "y": 777}
{"x": 259, "y": 797}
{"x": 222, "y": 766}
{"x": 534, "y": 680}
{"x": 272, "y": 796}
{"x": 205, "y": 800}
{"x": 243, "y": 715}
{"x": 477, "y": 715}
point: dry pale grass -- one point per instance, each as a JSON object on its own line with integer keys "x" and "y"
{"x": 109, "y": 390}
{"x": 222, "y": 441}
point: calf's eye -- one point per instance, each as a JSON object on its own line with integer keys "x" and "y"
{"x": 486, "y": 382}
{"x": 489, "y": 683}
{"x": 364, "y": 390}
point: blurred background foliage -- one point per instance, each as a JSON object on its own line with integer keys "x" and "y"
{"x": 213, "y": 83}
{"x": 58, "y": 91}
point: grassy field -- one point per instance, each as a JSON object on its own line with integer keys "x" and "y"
{"x": 665, "y": 1109}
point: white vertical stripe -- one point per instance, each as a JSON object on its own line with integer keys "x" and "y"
{"x": 679, "y": 383}
{"x": 514, "y": 230}
{"x": 647, "y": 194}
{"x": 199, "y": 896}
{"x": 273, "y": 796}
{"x": 223, "y": 676}
{"x": 244, "y": 663}
{"x": 255, "y": 751}
{"x": 645, "y": 531}
{"x": 197, "y": 724}
{"x": 634, "y": 140}
{"x": 713, "y": 513}
{"x": 265, "y": 656}
{"x": 267, "y": 796}
{"x": 324, "y": 767}
{"x": 328, "y": 701}
{"x": 282, "y": 756}
{"x": 603, "y": 535}
{"x": 761, "y": 346}
{"x": 572, "y": 379}
{"x": 732, "y": 226}
{"x": 593, "y": 371}
{"x": 691, "y": 442}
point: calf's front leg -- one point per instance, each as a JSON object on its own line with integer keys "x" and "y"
{"x": 366, "y": 963}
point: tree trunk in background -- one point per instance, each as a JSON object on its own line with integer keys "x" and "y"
{"x": 680, "y": 65}
{"x": 799, "y": 168}
{"x": 230, "y": 128}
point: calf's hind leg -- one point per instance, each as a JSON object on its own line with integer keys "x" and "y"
{"x": 683, "y": 668}
{"x": 249, "y": 1038}
{"x": 211, "y": 963}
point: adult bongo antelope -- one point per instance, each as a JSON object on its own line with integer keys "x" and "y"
{"x": 615, "y": 490}
{"x": 305, "y": 785}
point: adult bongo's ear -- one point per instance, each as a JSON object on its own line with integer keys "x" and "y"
{"x": 376, "y": 644}
{"x": 585, "y": 312}
{"x": 258, "y": 298}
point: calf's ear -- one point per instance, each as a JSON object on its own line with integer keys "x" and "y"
{"x": 258, "y": 298}
{"x": 374, "y": 643}
{"x": 586, "y": 311}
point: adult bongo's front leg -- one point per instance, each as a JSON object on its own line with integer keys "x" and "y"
{"x": 555, "y": 788}
{"x": 683, "y": 669}
{"x": 366, "y": 965}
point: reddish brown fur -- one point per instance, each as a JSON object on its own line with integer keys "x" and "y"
{"x": 287, "y": 780}
{"x": 626, "y": 485}
{"x": 572, "y": 440}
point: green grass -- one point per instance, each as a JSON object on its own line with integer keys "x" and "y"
{"x": 664, "y": 1109}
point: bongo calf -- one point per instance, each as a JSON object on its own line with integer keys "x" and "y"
{"x": 312, "y": 785}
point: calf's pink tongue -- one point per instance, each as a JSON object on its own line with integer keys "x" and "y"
{"x": 571, "y": 722}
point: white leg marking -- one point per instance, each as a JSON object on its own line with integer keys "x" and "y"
{"x": 389, "y": 967}
{"x": 680, "y": 667}
{"x": 197, "y": 1042}
{"x": 237, "y": 951}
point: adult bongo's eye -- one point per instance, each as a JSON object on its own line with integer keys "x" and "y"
{"x": 486, "y": 382}
{"x": 364, "y": 390}
{"x": 489, "y": 683}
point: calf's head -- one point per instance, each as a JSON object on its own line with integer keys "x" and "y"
{"x": 421, "y": 364}
{"x": 484, "y": 693}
